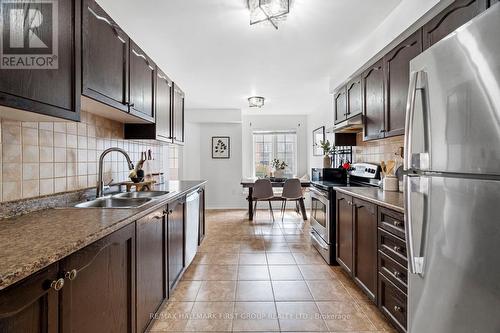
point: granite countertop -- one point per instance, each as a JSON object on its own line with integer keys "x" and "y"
{"x": 391, "y": 200}
{"x": 33, "y": 241}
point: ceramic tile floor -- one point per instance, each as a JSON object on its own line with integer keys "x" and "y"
{"x": 264, "y": 277}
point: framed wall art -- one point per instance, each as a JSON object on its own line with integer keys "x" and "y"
{"x": 318, "y": 136}
{"x": 221, "y": 147}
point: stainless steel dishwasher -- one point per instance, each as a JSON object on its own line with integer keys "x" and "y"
{"x": 192, "y": 225}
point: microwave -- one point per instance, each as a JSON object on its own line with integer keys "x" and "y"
{"x": 337, "y": 175}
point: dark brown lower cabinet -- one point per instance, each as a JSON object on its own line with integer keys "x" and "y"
{"x": 392, "y": 267}
{"x": 115, "y": 284}
{"x": 373, "y": 255}
{"x": 175, "y": 226}
{"x": 393, "y": 303}
{"x": 99, "y": 289}
{"x": 344, "y": 232}
{"x": 33, "y": 304}
{"x": 150, "y": 241}
{"x": 365, "y": 246}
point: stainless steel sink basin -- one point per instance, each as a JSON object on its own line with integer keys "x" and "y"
{"x": 146, "y": 194}
{"x": 109, "y": 202}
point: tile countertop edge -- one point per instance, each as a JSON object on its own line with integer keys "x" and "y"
{"x": 374, "y": 195}
{"x": 22, "y": 271}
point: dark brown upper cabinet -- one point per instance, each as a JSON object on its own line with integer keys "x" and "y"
{"x": 353, "y": 93}
{"x": 340, "y": 105}
{"x": 455, "y": 15}
{"x": 99, "y": 289}
{"x": 372, "y": 84}
{"x": 178, "y": 115}
{"x": 397, "y": 71}
{"x": 105, "y": 58}
{"x": 142, "y": 83}
{"x": 365, "y": 246}
{"x": 164, "y": 95}
{"x": 51, "y": 91}
{"x": 162, "y": 128}
{"x": 32, "y": 305}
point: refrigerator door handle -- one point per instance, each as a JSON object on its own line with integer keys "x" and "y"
{"x": 415, "y": 256}
{"x": 410, "y": 109}
{"x": 420, "y": 160}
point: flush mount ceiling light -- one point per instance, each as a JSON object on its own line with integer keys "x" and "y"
{"x": 270, "y": 11}
{"x": 256, "y": 101}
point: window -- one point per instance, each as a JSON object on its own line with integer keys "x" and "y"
{"x": 268, "y": 145}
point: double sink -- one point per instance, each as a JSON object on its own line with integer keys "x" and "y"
{"x": 122, "y": 200}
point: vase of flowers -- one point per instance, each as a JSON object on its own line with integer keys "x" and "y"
{"x": 279, "y": 168}
{"x": 327, "y": 148}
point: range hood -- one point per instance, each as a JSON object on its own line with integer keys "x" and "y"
{"x": 351, "y": 125}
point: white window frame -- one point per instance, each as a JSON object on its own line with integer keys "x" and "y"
{"x": 274, "y": 150}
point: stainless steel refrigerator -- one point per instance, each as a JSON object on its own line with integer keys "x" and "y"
{"x": 452, "y": 182}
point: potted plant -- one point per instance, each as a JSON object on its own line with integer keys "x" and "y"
{"x": 327, "y": 149}
{"x": 279, "y": 168}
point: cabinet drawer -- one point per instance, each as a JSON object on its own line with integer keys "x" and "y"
{"x": 392, "y": 246}
{"x": 393, "y": 303}
{"x": 391, "y": 221}
{"x": 393, "y": 271}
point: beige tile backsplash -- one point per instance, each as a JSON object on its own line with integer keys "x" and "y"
{"x": 45, "y": 158}
{"x": 377, "y": 150}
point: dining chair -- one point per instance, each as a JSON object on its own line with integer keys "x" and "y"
{"x": 292, "y": 191}
{"x": 263, "y": 191}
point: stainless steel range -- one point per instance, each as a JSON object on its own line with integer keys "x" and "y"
{"x": 323, "y": 203}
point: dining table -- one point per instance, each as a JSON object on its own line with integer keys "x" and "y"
{"x": 250, "y": 182}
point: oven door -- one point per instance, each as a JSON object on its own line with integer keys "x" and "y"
{"x": 320, "y": 213}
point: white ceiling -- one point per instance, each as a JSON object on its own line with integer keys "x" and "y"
{"x": 218, "y": 59}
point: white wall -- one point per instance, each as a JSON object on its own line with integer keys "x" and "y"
{"x": 223, "y": 175}
{"x": 191, "y": 152}
{"x": 275, "y": 122}
{"x": 223, "y": 188}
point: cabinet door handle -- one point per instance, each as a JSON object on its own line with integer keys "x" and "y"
{"x": 158, "y": 217}
{"x": 57, "y": 284}
{"x": 140, "y": 55}
{"x": 398, "y": 308}
{"x": 397, "y": 274}
{"x": 397, "y": 248}
{"x": 108, "y": 22}
{"x": 71, "y": 275}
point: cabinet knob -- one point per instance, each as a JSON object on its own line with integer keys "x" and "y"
{"x": 57, "y": 284}
{"x": 397, "y": 274}
{"x": 71, "y": 275}
{"x": 158, "y": 217}
{"x": 397, "y": 223}
{"x": 131, "y": 105}
{"x": 397, "y": 248}
{"x": 382, "y": 131}
{"x": 398, "y": 308}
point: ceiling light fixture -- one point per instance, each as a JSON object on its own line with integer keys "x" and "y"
{"x": 270, "y": 11}
{"x": 256, "y": 101}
